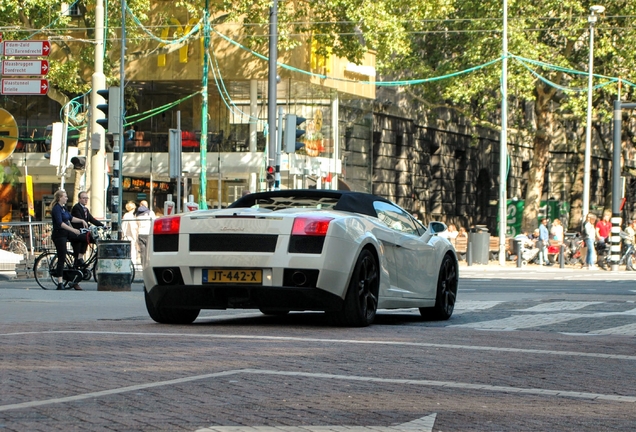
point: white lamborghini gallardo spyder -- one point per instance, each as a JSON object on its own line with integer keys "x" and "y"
{"x": 345, "y": 253}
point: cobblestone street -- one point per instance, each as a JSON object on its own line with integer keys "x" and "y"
{"x": 512, "y": 361}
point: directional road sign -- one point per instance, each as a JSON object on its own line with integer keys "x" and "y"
{"x": 17, "y": 86}
{"x": 24, "y": 67}
{"x": 41, "y": 48}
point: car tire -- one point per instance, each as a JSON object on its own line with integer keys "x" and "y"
{"x": 274, "y": 312}
{"x": 170, "y": 315}
{"x": 446, "y": 292}
{"x": 361, "y": 301}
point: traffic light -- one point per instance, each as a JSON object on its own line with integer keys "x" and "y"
{"x": 290, "y": 138}
{"x": 111, "y": 109}
{"x": 270, "y": 176}
{"x": 79, "y": 162}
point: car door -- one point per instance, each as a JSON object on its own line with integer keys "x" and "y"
{"x": 388, "y": 237}
{"x": 414, "y": 258}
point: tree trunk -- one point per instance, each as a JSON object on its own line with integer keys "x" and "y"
{"x": 576, "y": 192}
{"x": 545, "y": 130}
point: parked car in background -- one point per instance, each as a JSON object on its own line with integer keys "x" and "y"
{"x": 345, "y": 253}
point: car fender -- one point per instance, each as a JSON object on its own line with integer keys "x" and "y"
{"x": 360, "y": 234}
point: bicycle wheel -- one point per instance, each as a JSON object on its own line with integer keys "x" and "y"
{"x": 91, "y": 253}
{"x": 44, "y": 267}
{"x": 132, "y": 272}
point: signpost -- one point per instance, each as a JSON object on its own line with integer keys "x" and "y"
{"x": 18, "y": 86}
{"x": 25, "y": 67}
{"x": 41, "y": 48}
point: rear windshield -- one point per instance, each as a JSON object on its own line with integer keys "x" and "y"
{"x": 279, "y": 203}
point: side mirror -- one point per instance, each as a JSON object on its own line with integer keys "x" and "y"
{"x": 437, "y": 227}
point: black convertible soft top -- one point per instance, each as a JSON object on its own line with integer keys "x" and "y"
{"x": 349, "y": 201}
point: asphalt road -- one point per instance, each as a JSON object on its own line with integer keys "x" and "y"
{"x": 537, "y": 350}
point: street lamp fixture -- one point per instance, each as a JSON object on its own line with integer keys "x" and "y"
{"x": 595, "y": 11}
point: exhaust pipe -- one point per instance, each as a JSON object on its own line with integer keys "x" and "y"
{"x": 167, "y": 276}
{"x": 299, "y": 278}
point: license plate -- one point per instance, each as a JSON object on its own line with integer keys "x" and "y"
{"x": 239, "y": 276}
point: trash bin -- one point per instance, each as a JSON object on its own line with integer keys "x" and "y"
{"x": 479, "y": 244}
{"x": 113, "y": 265}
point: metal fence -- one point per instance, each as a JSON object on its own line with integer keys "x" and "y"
{"x": 26, "y": 238}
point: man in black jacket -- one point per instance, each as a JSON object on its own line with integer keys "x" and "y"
{"x": 80, "y": 211}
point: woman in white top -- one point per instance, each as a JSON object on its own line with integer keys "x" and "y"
{"x": 130, "y": 230}
{"x": 589, "y": 234}
{"x": 557, "y": 230}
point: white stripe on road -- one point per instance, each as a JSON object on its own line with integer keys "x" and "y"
{"x": 559, "y": 306}
{"x": 475, "y": 305}
{"x": 339, "y": 341}
{"x": 426, "y": 383}
{"x": 527, "y": 321}
{"x": 626, "y": 330}
{"x": 423, "y": 424}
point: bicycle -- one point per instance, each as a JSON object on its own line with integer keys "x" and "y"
{"x": 627, "y": 257}
{"x": 14, "y": 243}
{"x": 45, "y": 265}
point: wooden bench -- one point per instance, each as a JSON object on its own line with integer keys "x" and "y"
{"x": 494, "y": 248}
{"x": 461, "y": 246}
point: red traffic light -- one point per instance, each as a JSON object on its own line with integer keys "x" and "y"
{"x": 270, "y": 170}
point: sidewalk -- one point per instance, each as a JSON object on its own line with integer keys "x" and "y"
{"x": 493, "y": 268}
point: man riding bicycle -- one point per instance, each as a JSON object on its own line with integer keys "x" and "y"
{"x": 80, "y": 211}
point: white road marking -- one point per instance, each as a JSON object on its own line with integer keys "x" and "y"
{"x": 423, "y": 424}
{"x": 564, "y": 289}
{"x": 559, "y": 306}
{"x": 474, "y": 305}
{"x": 527, "y": 321}
{"x": 626, "y": 330}
{"x": 334, "y": 341}
{"x": 426, "y": 383}
{"x": 111, "y": 391}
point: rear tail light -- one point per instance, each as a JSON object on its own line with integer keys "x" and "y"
{"x": 166, "y": 225}
{"x": 311, "y": 226}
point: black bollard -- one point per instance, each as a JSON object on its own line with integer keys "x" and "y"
{"x": 519, "y": 258}
{"x": 562, "y": 256}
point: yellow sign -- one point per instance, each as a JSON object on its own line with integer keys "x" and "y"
{"x": 8, "y": 134}
{"x": 29, "y": 191}
{"x": 180, "y": 31}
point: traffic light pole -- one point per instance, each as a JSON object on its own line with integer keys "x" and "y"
{"x": 118, "y": 148}
{"x": 272, "y": 81}
{"x": 279, "y": 142}
{"x": 615, "y": 248}
{"x": 96, "y": 153}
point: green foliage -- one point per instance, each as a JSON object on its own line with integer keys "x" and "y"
{"x": 551, "y": 31}
{"x": 70, "y": 74}
{"x": 9, "y": 174}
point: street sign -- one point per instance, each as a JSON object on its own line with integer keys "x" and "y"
{"x": 16, "y": 86}
{"x": 41, "y": 48}
{"x": 25, "y": 67}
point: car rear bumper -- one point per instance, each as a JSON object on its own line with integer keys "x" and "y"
{"x": 243, "y": 297}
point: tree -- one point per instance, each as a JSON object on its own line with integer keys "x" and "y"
{"x": 551, "y": 31}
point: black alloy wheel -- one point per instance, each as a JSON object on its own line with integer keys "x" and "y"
{"x": 361, "y": 300}
{"x": 447, "y": 283}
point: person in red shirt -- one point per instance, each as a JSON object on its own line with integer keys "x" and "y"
{"x": 604, "y": 227}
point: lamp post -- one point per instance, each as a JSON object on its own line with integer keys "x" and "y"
{"x": 591, "y": 19}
